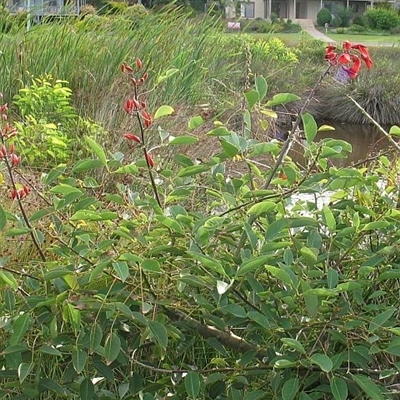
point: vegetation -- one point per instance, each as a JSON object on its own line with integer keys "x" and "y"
{"x": 165, "y": 247}
{"x": 324, "y": 16}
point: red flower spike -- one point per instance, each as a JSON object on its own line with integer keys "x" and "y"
{"x": 148, "y": 119}
{"x": 26, "y": 190}
{"x": 139, "y": 63}
{"x": 15, "y": 160}
{"x": 126, "y": 69}
{"x": 149, "y": 160}
{"x": 131, "y": 136}
{"x": 131, "y": 105}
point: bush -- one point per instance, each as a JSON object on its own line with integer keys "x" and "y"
{"x": 358, "y": 20}
{"x": 341, "y": 30}
{"x": 337, "y": 22}
{"x": 380, "y": 18}
{"x": 113, "y": 7}
{"x": 345, "y": 15}
{"x": 324, "y": 17}
{"x": 357, "y": 29}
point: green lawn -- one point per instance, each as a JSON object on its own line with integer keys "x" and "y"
{"x": 394, "y": 39}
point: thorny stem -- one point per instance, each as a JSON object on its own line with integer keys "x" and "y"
{"x": 284, "y": 151}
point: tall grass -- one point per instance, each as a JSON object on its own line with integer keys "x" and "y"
{"x": 88, "y": 54}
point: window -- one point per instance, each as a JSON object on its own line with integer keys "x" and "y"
{"x": 247, "y": 10}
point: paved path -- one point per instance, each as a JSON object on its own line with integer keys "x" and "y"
{"x": 308, "y": 26}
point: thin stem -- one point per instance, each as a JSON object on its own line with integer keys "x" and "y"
{"x": 21, "y": 207}
{"x": 285, "y": 149}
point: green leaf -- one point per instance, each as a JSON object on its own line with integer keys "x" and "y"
{"x": 375, "y": 225}
{"x": 97, "y": 149}
{"x": 85, "y": 165}
{"x": 380, "y": 319}
{"x": 151, "y": 266}
{"x": 370, "y": 388}
{"x": 230, "y": 149}
{"x": 20, "y": 327}
{"x": 252, "y": 97}
{"x": 24, "y": 369}
{"x": 56, "y": 273}
{"x": 159, "y": 333}
{"x": 332, "y": 277}
{"x": 293, "y": 344}
{"x": 220, "y": 131}
{"x": 122, "y": 269}
{"x": 323, "y": 361}
{"x": 252, "y": 264}
{"x": 163, "y": 111}
{"x": 290, "y": 389}
{"x": 282, "y": 98}
{"x": 279, "y": 274}
{"x": 170, "y": 223}
{"x": 339, "y": 388}
{"x": 196, "y": 121}
{"x": 79, "y": 358}
{"x": 95, "y": 337}
{"x": 3, "y": 218}
{"x": 395, "y": 130}
{"x": 262, "y": 207}
{"x": 310, "y": 255}
{"x": 192, "y": 384}
{"x": 310, "y": 127}
{"x": 261, "y": 86}
{"x": 329, "y": 218}
{"x": 183, "y": 140}
{"x": 112, "y": 347}
{"x": 325, "y": 128}
{"x": 86, "y": 389}
{"x": 193, "y": 170}
{"x": 89, "y": 215}
{"x": 8, "y": 279}
{"x": 50, "y": 350}
{"x": 259, "y": 318}
{"x": 283, "y": 363}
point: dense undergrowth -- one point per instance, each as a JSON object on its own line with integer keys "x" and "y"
{"x": 243, "y": 275}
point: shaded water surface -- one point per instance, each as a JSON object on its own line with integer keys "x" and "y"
{"x": 366, "y": 140}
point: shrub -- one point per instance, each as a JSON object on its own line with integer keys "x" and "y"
{"x": 88, "y": 9}
{"x": 324, "y": 17}
{"x": 357, "y": 28}
{"x": 341, "y": 30}
{"x": 345, "y": 15}
{"x": 337, "y": 22}
{"x": 274, "y": 18}
{"x": 380, "y": 18}
{"x": 358, "y": 20}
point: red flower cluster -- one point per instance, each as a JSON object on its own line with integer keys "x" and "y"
{"x": 349, "y": 58}
{"x": 14, "y": 159}
{"x": 134, "y": 107}
{"x": 20, "y": 193}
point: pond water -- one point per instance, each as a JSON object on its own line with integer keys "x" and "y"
{"x": 366, "y": 140}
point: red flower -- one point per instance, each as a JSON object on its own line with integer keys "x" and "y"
{"x": 131, "y": 105}
{"x": 131, "y": 136}
{"x": 15, "y": 160}
{"x": 347, "y": 56}
{"x": 149, "y": 159}
{"x": 20, "y": 193}
{"x": 139, "y": 63}
{"x": 148, "y": 119}
{"x": 126, "y": 69}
